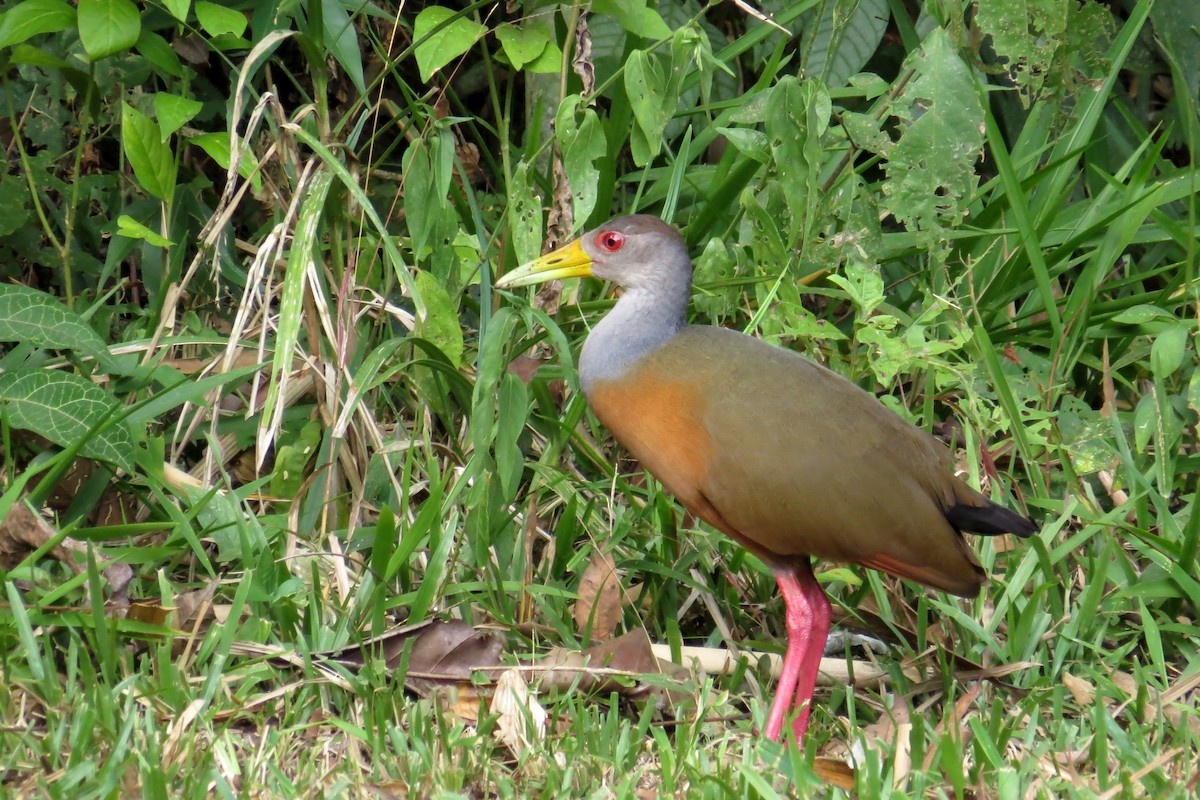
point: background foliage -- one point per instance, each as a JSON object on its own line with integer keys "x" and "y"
{"x": 252, "y": 355}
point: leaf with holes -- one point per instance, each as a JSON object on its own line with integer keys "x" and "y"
{"x": 581, "y": 137}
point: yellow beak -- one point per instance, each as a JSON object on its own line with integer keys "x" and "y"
{"x": 568, "y": 261}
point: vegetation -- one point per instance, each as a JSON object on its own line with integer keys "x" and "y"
{"x": 260, "y": 404}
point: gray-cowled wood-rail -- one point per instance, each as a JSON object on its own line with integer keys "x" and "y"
{"x": 788, "y": 458}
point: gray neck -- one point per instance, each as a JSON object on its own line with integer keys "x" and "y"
{"x": 644, "y": 319}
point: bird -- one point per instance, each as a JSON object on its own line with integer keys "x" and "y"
{"x": 786, "y": 457}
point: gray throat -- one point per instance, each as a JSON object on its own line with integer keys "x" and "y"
{"x": 643, "y": 320}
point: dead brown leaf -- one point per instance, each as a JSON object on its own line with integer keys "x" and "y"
{"x": 560, "y": 220}
{"x": 525, "y": 366}
{"x": 520, "y": 718}
{"x": 834, "y": 772}
{"x": 1083, "y": 692}
{"x": 598, "y": 609}
{"x": 23, "y": 532}
{"x": 443, "y": 662}
{"x": 599, "y": 667}
{"x": 581, "y": 63}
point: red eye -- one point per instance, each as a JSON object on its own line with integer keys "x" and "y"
{"x": 610, "y": 241}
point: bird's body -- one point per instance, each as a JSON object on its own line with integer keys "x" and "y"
{"x": 718, "y": 453}
{"x": 786, "y": 457}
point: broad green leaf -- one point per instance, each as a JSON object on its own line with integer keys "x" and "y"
{"x": 646, "y": 88}
{"x": 130, "y": 227}
{"x": 292, "y": 459}
{"x": 28, "y": 315}
{"x": 63, "y": 407}
{"x": 179, "y": 8}
{"x": 217, "y": 147}
{"x": 1145, "y": 420}
{"x": 748, "y": 142}
{"x": 15, "y": 213}
{"x": 341, "y": 40}
{"x": 524, "y": 43}
{"x": 217, "y": 20}
{"x": 864, "y": 287}
{"x": 152, "y": 160}
{"x": 797, "y": 117}
{"x": 174, "y": 112}
{"x": 108, "y": 27}
{"x": 34, "y": 17}
{"x": 1177, "y": 22}
{"x": 581, "y": 139}
{"x": 635, "y": 17}
{"x": 436, "y": 50}
{"x": 1026, "y": 35}
{"x": 156, "y": 50}
{"x": 37, "y": 57}
{"x": 524, "y": 215}
{"x": 1167, "y": 351}
{"x": 843, "y": 39}
{"x": 931, "y": 169}
{"x": 1141, "y": 314}
{"x": 440, "y": 326}
{"x": 549, "y": 61}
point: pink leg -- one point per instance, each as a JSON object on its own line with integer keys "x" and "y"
{"x": 807, "y": 621}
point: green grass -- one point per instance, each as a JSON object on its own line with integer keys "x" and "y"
{"x": 1007, "y": 256}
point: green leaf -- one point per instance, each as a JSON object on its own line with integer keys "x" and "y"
{"x": 155, "y": 49}
{"x": 748, "y": 142}
{"x": 28, "y": 315}
{"x": 549, "y": 61}
{"x": 178, "y": 8}
{"x": 634, "y": 16}
{"x": 217, "y": 20}
{"x": 582, "y": 142}
{"x": 1026, "y": 35}
{"x": 797, "y": 117}
{"x": 341, "y": 40}
{"x": 34, "y": 17}
{"x": 63, "y": 407}
{"x": 1141, "y": 314}
{"x": 291, "y": 461}
{"x": 436, "y": 50}
{"x": 217, "y": 147}
{"x": 108, "y": 27}
{"x": 522, "y": 44}
{"x": 440, "y": 326}
{"x": 646, "y": 88}
{"x": 426, "y": 186}
{"x": 131, "y": 228}
{"x": 174, "y": 112}
{"x": 37, "y": 57}
{"x": 524, "y": 215}
{"x": 1145, "y": 422}
{"x": 844, "y": 38}
{"x": 931, "y": 169}
{"x": 152, "y": 160}
{"x": 1167, "y": 351}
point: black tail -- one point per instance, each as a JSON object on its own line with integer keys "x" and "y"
{"x": 990, "y": 520}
